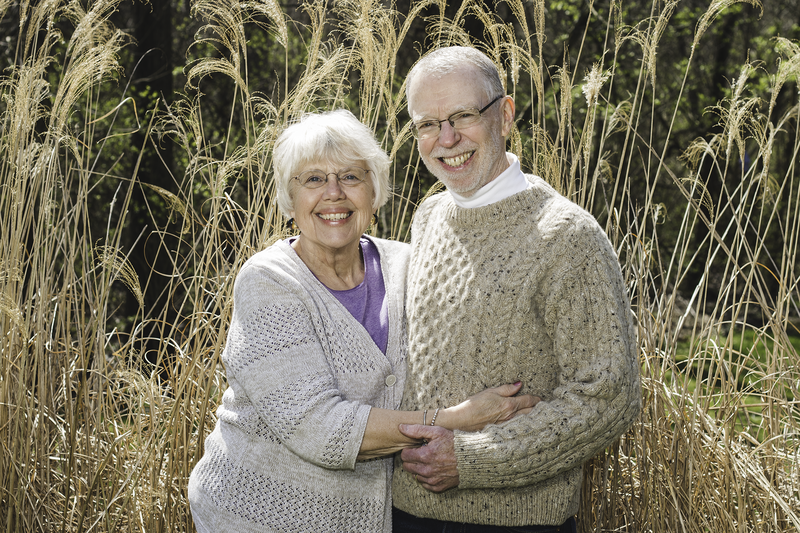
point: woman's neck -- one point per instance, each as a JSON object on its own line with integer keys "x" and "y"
{"x": 339, "y": 269}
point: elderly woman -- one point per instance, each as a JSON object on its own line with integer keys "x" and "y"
{"x": 315, "y": 356}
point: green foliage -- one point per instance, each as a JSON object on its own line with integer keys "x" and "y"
{"x": 127, "y": 212}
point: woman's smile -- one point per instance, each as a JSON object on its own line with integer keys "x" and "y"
{"x": 334, "y": 217}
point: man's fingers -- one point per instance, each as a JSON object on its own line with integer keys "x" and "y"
{"x": 412, "y": 455}
{"x": 430, "y": 478}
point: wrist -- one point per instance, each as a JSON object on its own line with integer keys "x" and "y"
{"x": 451, "y": 418}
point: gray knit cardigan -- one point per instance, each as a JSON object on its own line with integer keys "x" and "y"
{"x": 302, "y": 375}
{"x": 528, "y": 288}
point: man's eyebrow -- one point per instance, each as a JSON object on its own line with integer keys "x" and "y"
{"x": 457, "y": 109}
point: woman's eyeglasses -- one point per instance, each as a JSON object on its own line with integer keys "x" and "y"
{"x": 349, "y": 177}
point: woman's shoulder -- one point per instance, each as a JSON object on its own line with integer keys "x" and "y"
{"x": 394, "y": 257}
{"x": 388, "y": 246}
{"x": 272, "y": 263}
{"x": 278, "y": 255}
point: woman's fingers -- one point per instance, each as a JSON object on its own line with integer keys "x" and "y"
{"x": 509, "y": 389}
{"x": 527, "y": 400}
{"x": 525, "y": 405}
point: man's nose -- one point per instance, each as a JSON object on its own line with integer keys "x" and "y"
{"x": 448, "y": 136}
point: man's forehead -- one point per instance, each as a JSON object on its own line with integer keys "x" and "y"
{"x": 432, "y": 75}
{"x": 449, "y": 93}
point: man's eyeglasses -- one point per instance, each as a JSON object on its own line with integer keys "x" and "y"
{"x": 425, "y": 129}
{"x": 349, "y": 177}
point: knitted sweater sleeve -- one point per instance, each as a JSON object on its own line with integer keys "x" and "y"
{"x": 597, "y": 396}
{"x": 279, "y": 363}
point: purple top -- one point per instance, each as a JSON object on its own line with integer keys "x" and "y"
{"x": 367, "y": 301}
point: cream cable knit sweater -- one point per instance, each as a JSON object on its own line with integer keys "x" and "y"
{"x": 302, "y": 375}
{"x": 528, "y": 288}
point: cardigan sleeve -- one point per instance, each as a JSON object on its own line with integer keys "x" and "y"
{"x": 597, "y": 394}
{"x": 276, "y": 362}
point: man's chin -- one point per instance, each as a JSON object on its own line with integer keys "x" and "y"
{"x": 457, "y": 180}
{"x": 460, "y": 187}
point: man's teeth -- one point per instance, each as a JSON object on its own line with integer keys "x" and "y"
{"x": 458, "y": 160}
{"x": 334, "y": 216}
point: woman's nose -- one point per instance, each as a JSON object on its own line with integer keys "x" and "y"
{"x": 332, "y": 186}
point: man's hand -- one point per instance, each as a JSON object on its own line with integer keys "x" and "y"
{"x": 433, "y": 465}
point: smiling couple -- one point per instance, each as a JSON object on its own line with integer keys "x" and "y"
{"x": 456, "y": 384}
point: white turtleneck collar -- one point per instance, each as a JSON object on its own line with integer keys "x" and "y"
{"x": 511, "y": 181}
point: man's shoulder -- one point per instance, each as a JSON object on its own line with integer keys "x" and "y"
{"x": 557, "y": 207}
{"x": 434, "y": 200}
{"x": 428, "y": 209}
{"x": 561, "y": 222}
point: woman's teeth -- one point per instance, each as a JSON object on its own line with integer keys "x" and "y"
{"x": 333, "y": 216}
{"x": 458, "y": 160}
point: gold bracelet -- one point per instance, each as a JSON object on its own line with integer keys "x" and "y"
{"x": 433, "y": 419}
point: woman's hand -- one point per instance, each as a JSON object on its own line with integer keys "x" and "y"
{"x": 382, "y": 435}
{"x": 491, "y": 406}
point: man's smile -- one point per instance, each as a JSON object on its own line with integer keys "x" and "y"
{"x": 458, "y": 160}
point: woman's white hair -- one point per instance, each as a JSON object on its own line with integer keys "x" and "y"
{"x": 444, "y": 61}
{"x": 337, "y": 137}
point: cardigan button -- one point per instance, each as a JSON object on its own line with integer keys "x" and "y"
{"x": 391, "y": 379}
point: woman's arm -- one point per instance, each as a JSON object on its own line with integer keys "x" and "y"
{"x": 382, "y": 436}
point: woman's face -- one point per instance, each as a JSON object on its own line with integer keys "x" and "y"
{"x": 332, "y": 216}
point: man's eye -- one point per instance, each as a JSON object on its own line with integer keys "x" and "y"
{"x": 427, "y": 124}
{"x": 464, "y": 116}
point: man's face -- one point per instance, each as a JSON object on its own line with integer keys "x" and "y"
{"x": 468, "y": 158}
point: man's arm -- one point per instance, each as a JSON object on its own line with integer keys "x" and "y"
{"x": 595, "y": 400}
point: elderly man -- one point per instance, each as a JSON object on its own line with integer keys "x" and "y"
{"x": 508, "y": 281}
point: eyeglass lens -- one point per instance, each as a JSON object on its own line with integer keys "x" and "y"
{"x": 459, "y": 120}
{"x": 349, "y": 177}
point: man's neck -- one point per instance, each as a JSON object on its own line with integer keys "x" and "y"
{"x": 511, "y": 181}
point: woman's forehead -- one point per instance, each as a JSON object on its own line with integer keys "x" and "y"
{"x": 330, "y": 165}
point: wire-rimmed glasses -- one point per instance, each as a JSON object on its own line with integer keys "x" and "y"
{"x": 427, "y": 128}
{"x": 349, "y": 177}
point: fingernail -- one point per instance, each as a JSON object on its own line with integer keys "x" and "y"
{"x": 517, "y": 383}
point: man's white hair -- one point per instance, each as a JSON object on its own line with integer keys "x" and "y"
{"x": 443, "y": 61}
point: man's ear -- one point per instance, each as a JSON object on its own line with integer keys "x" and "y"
{"x": 507, "y": 111}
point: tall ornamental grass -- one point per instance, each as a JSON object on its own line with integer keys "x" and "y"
{"x": 102, "y": 416}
